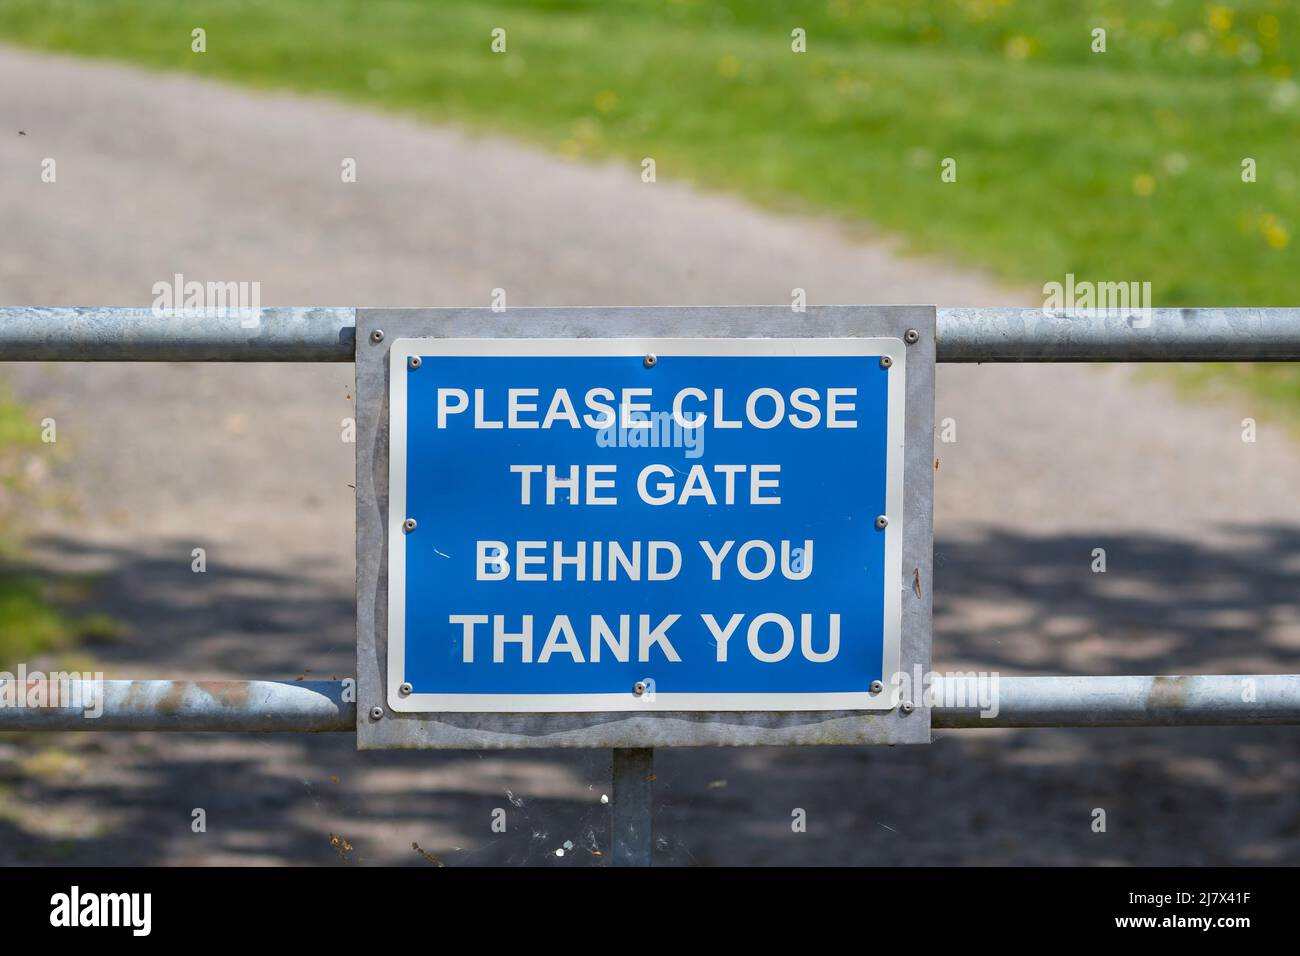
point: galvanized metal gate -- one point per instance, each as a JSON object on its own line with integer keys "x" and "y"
{"x": 963, "y": 335}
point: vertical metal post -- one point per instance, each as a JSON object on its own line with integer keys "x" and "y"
{"x": 633, "y": 776}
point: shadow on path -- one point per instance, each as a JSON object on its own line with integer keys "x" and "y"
{"x": 1004, "y": 601}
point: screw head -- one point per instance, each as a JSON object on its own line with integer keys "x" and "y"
{"x": 906, "y": 707}
{"x": 413, "y": 362}
{"x": 882, "y": 522}
{"x": 408, "y": 525}
{"x": 377, "y": 336}
{"x": 376, "y": 713}
{"x": 886, "y": 361}
{"x": 651, "y": 360}
{"x": 404, "y": 689}
{"x": 877, "y": 686}
{"x": 638, "y": 689}
{"x": 911, "y": 336}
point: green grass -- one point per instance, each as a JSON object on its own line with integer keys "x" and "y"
{"x": 1274, "y": 388}
{"x": 29, "y": 623}
{"x": 1123, "y": 165}
{"x": 1112, "y": 166}
{"x": 34, "y": 619}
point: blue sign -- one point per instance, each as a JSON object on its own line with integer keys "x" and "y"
{"x": 644, "y": 524}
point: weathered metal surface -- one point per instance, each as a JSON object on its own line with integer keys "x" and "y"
{"x": 141, "y": 335}
{"x": 631, "y": 819}
{"x": 1166, "y": 335}
{"x": 224, "y": 705}
{"x": 964, "y": 335}
{"x": 1190, "y": 701}
{"x": 479, "y": 731}
{"x": 319, "y": 706}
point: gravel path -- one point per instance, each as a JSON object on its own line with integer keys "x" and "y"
{"x": 160, "y": 175}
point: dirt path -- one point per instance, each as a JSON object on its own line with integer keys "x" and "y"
{"x": 159, "y": 175}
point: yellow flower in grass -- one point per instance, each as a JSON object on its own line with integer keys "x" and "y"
{"x": 1018, "y": 47}
{"x": 1144, "y": 184}
{"x": 1276, "y": 234}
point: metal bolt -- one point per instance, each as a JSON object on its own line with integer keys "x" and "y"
{"x": 408, "y": 525}
{"x": 877, "y": 687}
{"x": 886, "y": 361}
{"x": 882, "y": 522}
{"x": 404, "y": 689}
{"x": 413, "y": 362}
{"x": 377, "y": 336}
{"x": 376, "y": 713}
{"x": 651, "y": 360}
{"x": 638, "y": 688}
{"x": 906, "y": 707}
{"x": 911, "y": 336}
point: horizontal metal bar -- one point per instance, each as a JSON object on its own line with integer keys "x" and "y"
{"x": 328, "y": 334}
{"x": 261, "y": 706}
{"x": 1165, "y": 335}
{"x": 143, "y": 335}
{"x": 961, "y": 702}
{"x": 1200, "y": 701}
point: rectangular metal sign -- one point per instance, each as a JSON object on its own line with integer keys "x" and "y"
{"x": 646, "y": 525}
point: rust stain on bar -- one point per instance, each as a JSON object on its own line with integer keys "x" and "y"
{"x": 1168, "y": 693}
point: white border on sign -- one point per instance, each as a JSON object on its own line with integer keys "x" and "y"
{"x": 403, "y": 349}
